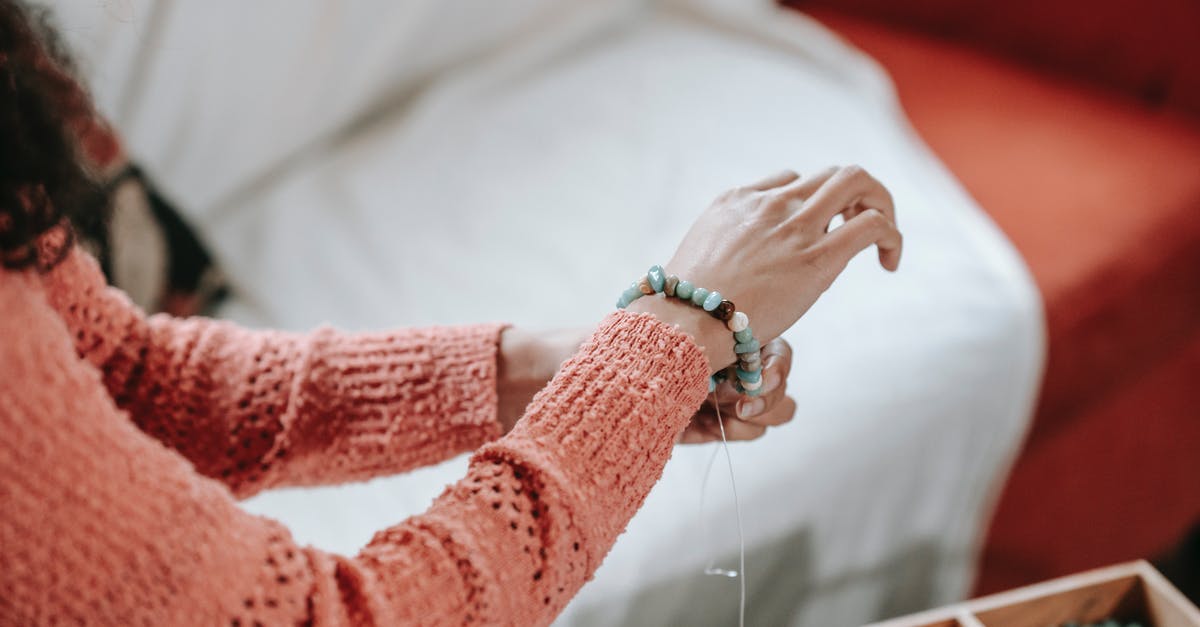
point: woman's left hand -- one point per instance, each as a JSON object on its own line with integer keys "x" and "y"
{"x": 747, "y": 417}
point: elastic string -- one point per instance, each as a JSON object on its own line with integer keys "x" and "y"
{"x": 711, "y": 569}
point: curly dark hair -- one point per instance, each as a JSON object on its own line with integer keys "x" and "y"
{"x": 44, "y": 183}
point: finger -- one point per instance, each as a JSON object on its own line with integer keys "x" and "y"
{"x": 777, "y": 354}
{"x": 780, "y": 412}
{"x": 849, "y": 214}
{"x": 726, "y": 394}
{"x": 751, "y": 405}
{"x": 705, "y": 420}
{"x": 776, "y": 364}
{"x": 775, "y": 180}
{"x": 851, "y": 188}
{"x": 696, "y": 434}
{"x": 798, "y": 190}
{"x": 755, "y": 408}
{"x": 846, "y": 215}
{"x": 868, "y": 227}
{"x": 737, "y": 430}
{"x": 702, "y": 428}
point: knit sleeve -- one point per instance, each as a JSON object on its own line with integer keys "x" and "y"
{"x": 88, "y": 495}
{"x": 260, "y": 409}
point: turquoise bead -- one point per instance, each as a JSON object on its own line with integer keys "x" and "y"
{"x": 745, "y": 335}
{"x": 684, "y": 289}
{"x": 746, "y": 347}
{"x": 712, "y": 301}
{"x": 712, "y": 384}
{"x": 749, "y": 377}
{"x": 657, "y": 278}
{"x": 630, "y": 294}
{"x": 698, "y": 296}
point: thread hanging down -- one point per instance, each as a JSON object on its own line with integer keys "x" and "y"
{"x": 711, "y": 568}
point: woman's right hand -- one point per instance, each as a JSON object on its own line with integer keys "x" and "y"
{"x": 768, "y": 248}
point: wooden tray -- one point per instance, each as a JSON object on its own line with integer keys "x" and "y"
{"x": 1127, "y": 592}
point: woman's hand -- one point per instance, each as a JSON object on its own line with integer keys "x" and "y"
{"x": 768, "y": 248}
{"x": 744, "y": 417}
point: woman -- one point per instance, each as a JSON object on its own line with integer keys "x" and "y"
{"x": 127, "y": 438}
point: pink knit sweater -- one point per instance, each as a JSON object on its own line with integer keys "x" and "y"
{"x": 125, "y": 440}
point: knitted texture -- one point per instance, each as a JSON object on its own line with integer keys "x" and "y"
{"x": 124, "y": 436}
{"x": 260, "y": 409}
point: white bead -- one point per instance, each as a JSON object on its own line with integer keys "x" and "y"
{"x": 752, "y": 386}
{"x": 738, "y": 322}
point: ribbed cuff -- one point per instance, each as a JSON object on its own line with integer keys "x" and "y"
{"x": 606, "y": 425}
{"x": 647, "y": 376}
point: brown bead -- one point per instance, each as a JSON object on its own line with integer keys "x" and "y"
{"x": 669, "y": 286}
{"x": 724, "y": 311}
{"x": 644, "y": 286}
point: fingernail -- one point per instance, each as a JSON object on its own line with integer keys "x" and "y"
{"x": 748, "y": 408}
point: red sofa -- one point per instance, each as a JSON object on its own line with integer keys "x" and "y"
{"x": 1076, "y": 125}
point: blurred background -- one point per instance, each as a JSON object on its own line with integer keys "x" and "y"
{"x": 1019, "y": 402}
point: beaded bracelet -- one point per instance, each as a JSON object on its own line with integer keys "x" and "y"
{"x": 748, "y": 371}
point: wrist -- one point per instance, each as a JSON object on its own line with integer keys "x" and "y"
{"x": 518, "y": 356}
{"x": 526, "y": 361}
{"x": 710, "y": 334}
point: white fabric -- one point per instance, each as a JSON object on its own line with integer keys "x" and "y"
{"x": 524, "y": 162}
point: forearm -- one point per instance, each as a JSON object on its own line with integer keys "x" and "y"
{"x": 257, "y": 408}
{"x": 260, "y": 409}
{"x": 540, "y": 508}
{"x": 375, "y": 404}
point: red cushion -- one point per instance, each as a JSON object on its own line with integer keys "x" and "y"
{"x": 1100, "y": 196}
{"x": 1102, "y": 199}
{"x": 1115, "y": 485}
{"x": 1147, "y": 48}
